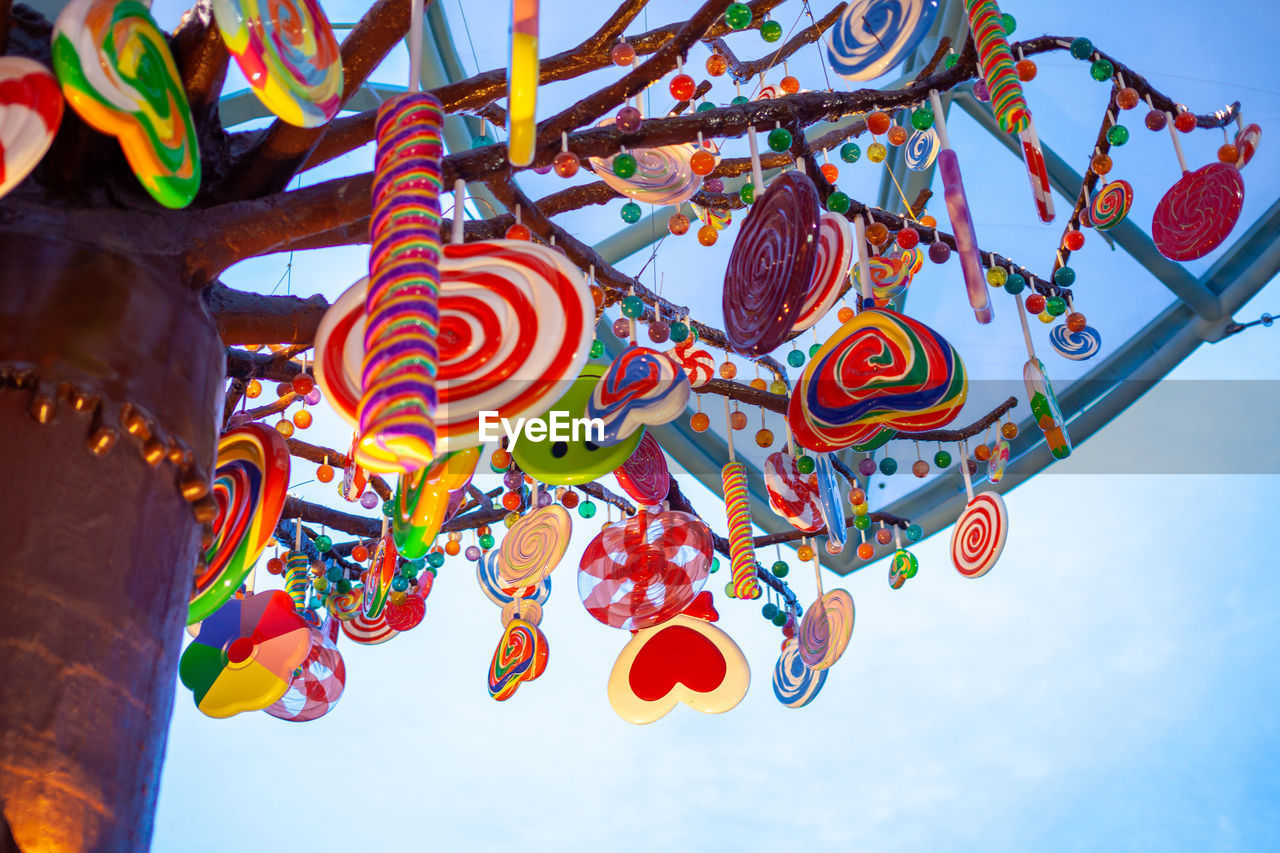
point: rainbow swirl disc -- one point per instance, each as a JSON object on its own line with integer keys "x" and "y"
{"x": 825, "y": 629}
{"x": 795, "y": 684}
{"x": 533, "y": 546}
{"x": 118, "y": 74}
{"x": 642, "y": 387}
{"x": 249, "y": 488}
{"x": 979, "y": 535}
{"x": 1111, "y": 205}
{"x": 521, "y": 656}
{"x": 890, "y": 275}
{"x": 287, "y": 52}
{"x": 1076, "y": 346}
{"x": 492, "y": 585}
{"x": 872, "y": 36}
{"x": 771, "y": 265}
{"x": 921, "y": 149}
{"x": 1198, "y": 212}
{"x": 880, "y": 373}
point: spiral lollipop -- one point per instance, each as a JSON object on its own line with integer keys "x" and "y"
{"x": 641, "y": 387}
{"x": 1076, "y": 346}
{"x": 979, "y": 535}
{"x": 697, "y": 363}
{"x": 287, "y": 52}
{"x": 872, "y": 36}
{"x": 318, "y": 686}
{"x": 496, "y": 590}
{"x": 1198, "y": 212}
{"x": 795, "y": 684}
{"x": 345, "y": 606}
{"x": 921, "y": 149}
{"x": 377, "y": 578}
{"x": 742, "y": 553}
{"x": 117, "y": 73}
{"x": 30, "y": 114}
{"x": 644, "y": 476}
{"x": 890, "y": 275}
{"x": 296, "y": 582}
{"x": 825, "y": 629}
{"x": 368, "y": 631}
{"x": 835, "y": 253}
{"x": 792, "y": 495}
{"x": 398, "y": 405}
{"x": 1111, "y": 205}
{"x": 533, "y": 546}
{"x": 663, "y": 175}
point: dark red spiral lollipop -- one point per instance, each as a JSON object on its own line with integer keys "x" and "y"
{"x": 644, "y": 476}
{"x": 1198, "y": 212}
{"x": 771, "y": 265}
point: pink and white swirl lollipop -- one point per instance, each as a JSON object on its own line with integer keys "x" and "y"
{"x": 979, "y": 535}
{"x": 835, "y": 254}
{"x": 533, "y": 546}
{"x": 825, "y": 629}
{"x": 792, "y": 495}
{"x": 30, "y": 114}
{"x": 663, "y": 174}
{"x": 1198, "y": 212}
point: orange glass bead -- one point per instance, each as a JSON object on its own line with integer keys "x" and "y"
{"x": 597, "y": 295}
{"x": 302, "y": 384}
{"x": 830, "y": 172}
{"x": 1009, "y": 430}
{"x": 878, "y": 122}
{"x": 699, "y": 422}
{"x": 717, "y": 65}
{"x": 877, "y": 233}
{"x": 1076, "y": 321}
{"x": 857, "y": 496}
{"x": 284, "y": 427}
{"x": 566, "y": 164}
{"x": 1026, "y": 70}
{"x": 1185, "y": 122}
{"x": 758, "y": 384}
{"x": 622, "y": 54}
{"x": 1228, "y": 153}
{"x": 738, "y": 420}
{"x": 253, "y": 347}
{"x": 325, "y": 473}
{"x": 519, "y": 232}
{"x": 501, "y": 458}
{"x": 928, "y": 221}
{"x": 702, "y": 162}
{"x": 707, "y": 235}
{"x": 728, "y": 370}
{"x": 1074, "y": 240}
{"x": 805, "y": 553}
{"x": 866, "y": 551}
{"x": 845, "y": 314}
{"x": 982, "y": 453}
{"x": 764, "y": 438}
{"x": 789, "y": 84}
{"x": 1100, "y": 164}
{"x": 253, "y": 389}
{"x": 359, "y": 553}
{"x": 275, "y": 565}
{"x": 452, "y": 548}
{"x": 897, "y": 135}
{"x": 678, "y": 224}
{"x": 1127, "y": 98}
{"x": 302, "y": 419}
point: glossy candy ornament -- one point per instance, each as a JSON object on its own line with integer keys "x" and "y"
{"x": 830, "y": 504}
{"x": 741, "y": 547}
{"x": 1044, "y": 408}
{"x": 873, "y": 36}
{"x": 521, "y": 656}
{"x": 663, "y": 175}
{"x": 922, "y": 149}
{"x": 423, "y": 499}
{"x": 772, "y": 265}
{"x": 1198, "y": 212}
{"x": 999, "y": 459}
{"x": 345, "y": 606}
{"x": 496, "y": 590}
{"x": 792, "y": 495}
{"x": 249, "y": 489}
{"x": 698, "y": 364}
{"x": 30, "y": 114}
{"x": 522, "y": 85}
{"x": 902, "y": 567}
{"x": 686, "y": 659}
{"x": 580, "y": 459}
{"x": 319, "y": 682}
{"x": 890, "y": 274}
{"x": 645, "y": 570}
{"x": 377, "y": 578}
{"x": 825, "y": 629}
{"x": 830, "y": 272}
{"x": 1111, "y": 205}
{"x": 1076, "y": 346}
{"x": 979, "y": 535}
{"x": 642, "y": 387}
{"x": 644, "y": 476}
{"x": 1246, "y": 144}
{"x": 368, "y": 631}
{"x": 794, "y": 683}
{"x": 996, "y": 62}
{"x": 117, "y": 73}
{"x": 533, "y": 547}
{"x": 879, "y": 373}
{"x": 287, "y": 52}
{"x": 244, "y": 656}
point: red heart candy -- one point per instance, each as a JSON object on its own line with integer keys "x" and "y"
{"x": 676, "y": 655}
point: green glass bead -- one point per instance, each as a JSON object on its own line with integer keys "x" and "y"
{"x": 922, "y": 118}
{"x": 914, "y": 533}
{"x": 771, "y": 31}
{"x": 343, "y": 586}
{"x": 1082, "y": 48}
{"x": 624, "y": 165}
{"x": 950, "y": 61}
{"x": 1101, "y": 70}
{"x": 587, "y": 509}
{"x": 399, "y": 584}
{"x": 323, "y": 543}
{"x": 769, "y": 611}
{"x": 728, "y": 590}
{"x": 747, "y": 193}
{"x": 410, "y": 571}
{"x": 486, "y": 541}
{"x": 704, "y": 106}
{"x": 739, "y": 100}
{"x": 1118, "y": 135}
{"x": 838, "y": 202}
{"x": 795, "y": 358}
{"x": 1014, "y": 283}
{"x": 678, "y": 332}
{"x": 333, "y": 573}
{"x": 862, "y": 522}
{"x": 436, "y": 559}
{"x": 1064, "y": 276}
{"x": 813, "y": 349}
{"x": 888, "y": 465}
{"x": 805, "y": 464}
{"x": 850, "y": 152}
{"x": 779, "y": 139}
{"x": 481, "y": 141}
{"x": 630, "y": 213}
{"x": 738, "y": 16}
{"x": 632, "y": 306}
{"x": 780, "y": 619}
{"x": 1010, "y": 23}
{"x": 942, "y": 459}
{"x": 597, "y": 349}
{"x": 1056, "y": 306}
{"x": 389, "y": 509}
{"x": 419, "y": 563}
{"x": 780, "y": 569}
{"x": 715, "y": 565}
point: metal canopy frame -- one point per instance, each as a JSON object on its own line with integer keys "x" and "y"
{"x": 1201, "y": 313}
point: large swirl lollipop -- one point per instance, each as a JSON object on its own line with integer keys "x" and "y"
{"x": 771, "y": 265}
{"x": 642, "y": 387}
{"x": 534, "y": 545}
{"x": 663, "y": 174}
{"x": 644, "y": 476}
{"x": 1111, "y": 205}
{"x": 497, "y": 591}
{"x": 979, "y": 535}
{"x": 922, "y": 149}
{"x": 1076, "y": 346}
{"x": 890, "y": 275}
{"x": 249, "y": 488}
{"x": 879, "y": 373}
{"x": 30, "y": 114}
{"x": 825, "y": 629}
{"x": 872, "y": 36}
{"x": 835, "y": 253}
{"x": 117, "y": 72}
{"x": 645, "y": 570}
{"x": 521, "y": 656}
{"x": 794, "y": 683}
{"x": 287, "y": 52}
{"x": 1198, "y": 212}
{"x": 792, "y": 495}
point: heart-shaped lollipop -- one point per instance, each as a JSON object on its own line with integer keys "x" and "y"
{"x": 521, "y": 656}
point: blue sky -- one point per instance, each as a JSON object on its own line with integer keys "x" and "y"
{"x": 1109, "y": 685}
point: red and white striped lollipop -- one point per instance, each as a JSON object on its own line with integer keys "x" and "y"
{"x": 318, "y": 686}
{"x": 370, "y": 632}
{"x": 979, "y": 535}
{"x": 835, "y": 255}
{"x": 697, "y": 363}
{"x": 792, "y": 495}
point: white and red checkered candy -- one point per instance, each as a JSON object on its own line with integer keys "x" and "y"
{"x": 645, "y": 570}
{"x": 792, "y": 495}
{"x": 318, "y": 686}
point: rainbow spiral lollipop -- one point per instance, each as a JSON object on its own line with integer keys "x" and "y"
{"x": 398, "y": 405}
